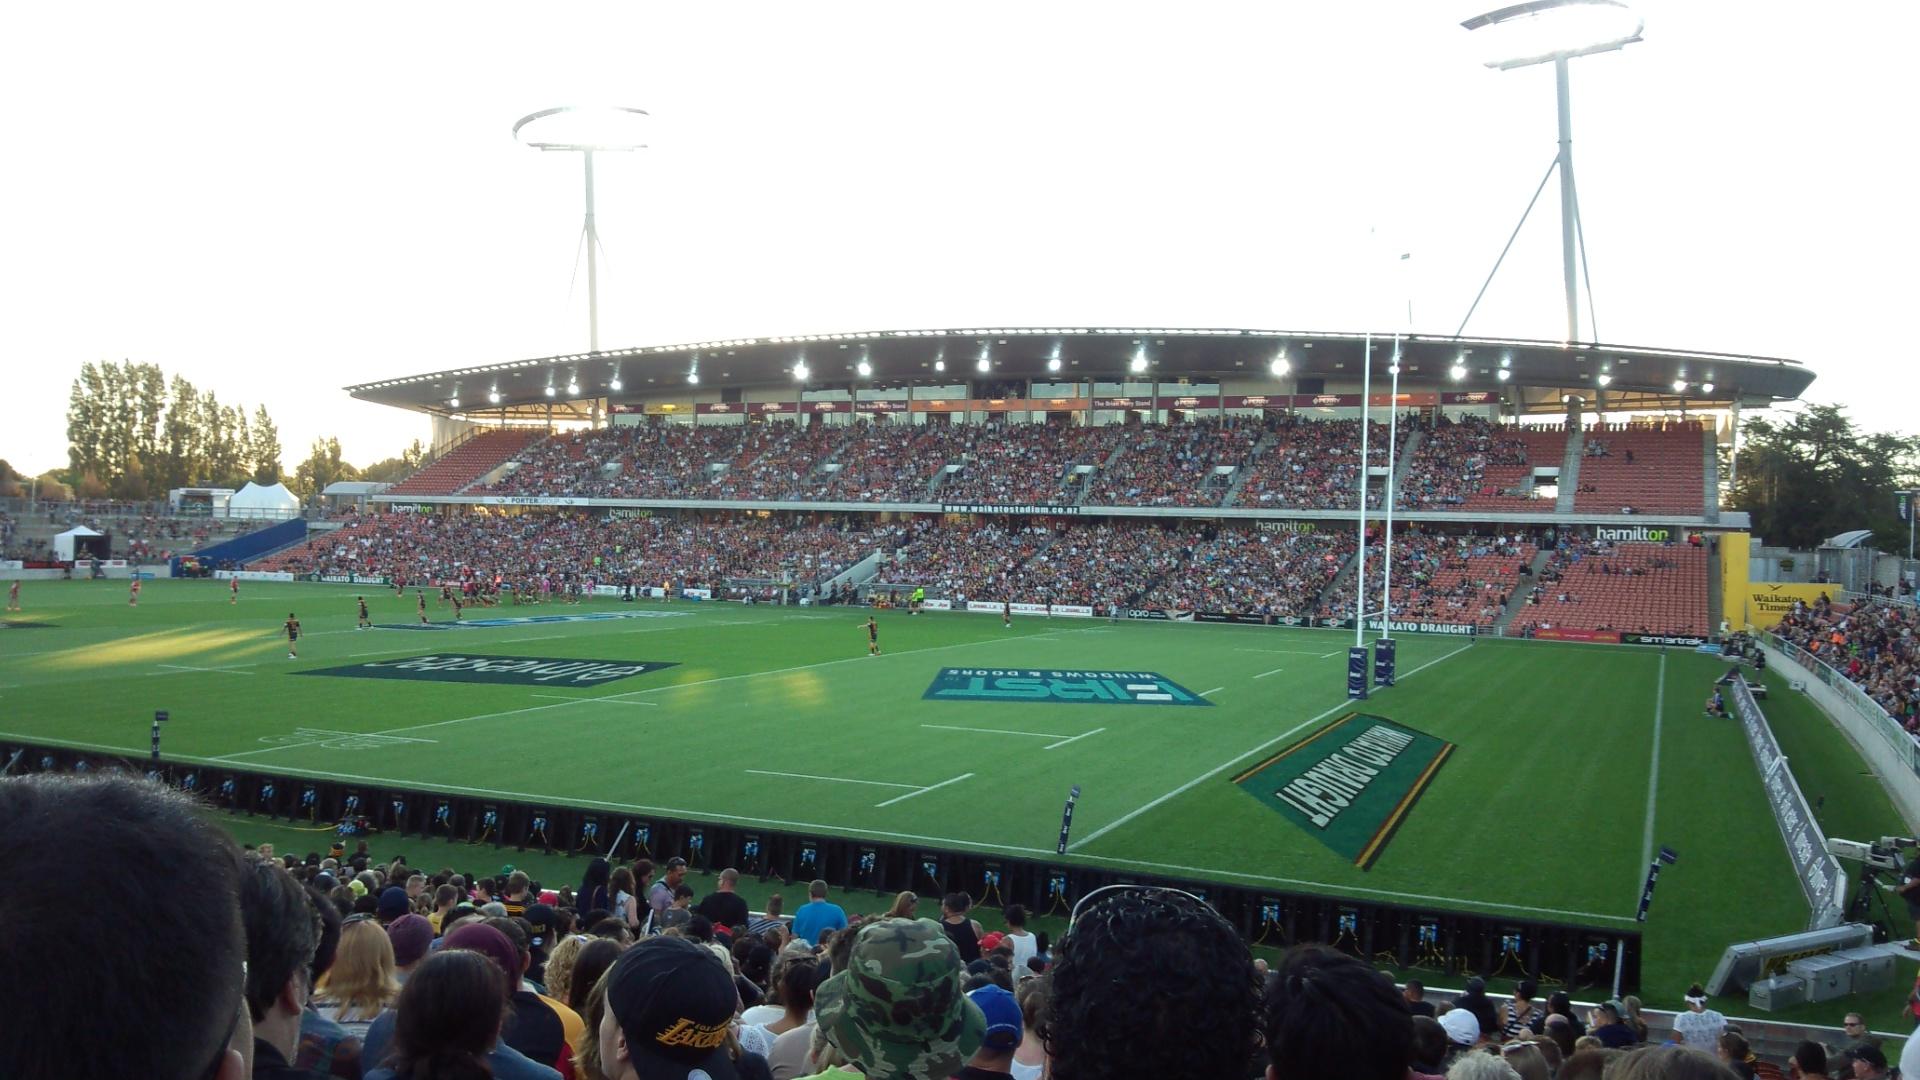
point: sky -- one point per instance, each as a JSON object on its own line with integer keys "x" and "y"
{"x": 279, "y": 200}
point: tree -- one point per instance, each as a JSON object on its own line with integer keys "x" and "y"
{"x": 322, "y": 467}
{"x": 395, "y": 469}
{"x": 264, "y": 451}
{"x": 1812, "y": 476}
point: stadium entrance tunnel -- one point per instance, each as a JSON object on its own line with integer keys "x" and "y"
{"x": 1406, "y": 937}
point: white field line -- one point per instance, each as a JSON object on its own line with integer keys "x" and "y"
{"x": 1653, "y": 774}
{"x": 1076, "y": 738}
{"x": 924, "y": 790}
{"x": 831, "y": 779}
{"x": 175, "y": 669}
{"x": 997, "y": 731}
{"x": 1287, "y": 652}
{"x": 1275, "y": 671}
{"x": 601, "y": 700}
{"x": 1337, "y": 652}
{"x": 1225, "y": 765}
{"x": 1215, "y": 690}
{"x": 838, "y": 830}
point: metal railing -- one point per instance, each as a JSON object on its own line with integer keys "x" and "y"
{"x": 1903, "y": 743}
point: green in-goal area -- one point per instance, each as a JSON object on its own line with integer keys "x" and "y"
{"x": 1569, "y": 764}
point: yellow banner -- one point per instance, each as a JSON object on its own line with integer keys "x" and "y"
{"x": 1735, "y": 553}
{"x": 1768, "y": 603}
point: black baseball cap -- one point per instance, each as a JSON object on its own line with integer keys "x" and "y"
{"x": 540, "y": 922}
{"x": 674, "y": 1003}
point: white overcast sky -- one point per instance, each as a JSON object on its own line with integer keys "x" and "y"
{"x": 279, "y": 200}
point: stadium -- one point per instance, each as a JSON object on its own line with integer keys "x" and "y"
{"x": 1447, "y": 653}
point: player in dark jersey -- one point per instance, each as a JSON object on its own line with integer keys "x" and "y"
{"x": 456, "y": 607}
{"x": 446, "y": 594}
{"x": 873, "y": 637}
{"x": 1006, "y": 614}
{"x": 421, "y": 595}
{"x": 365, "y": 623}
{"x": 293, "y": 636}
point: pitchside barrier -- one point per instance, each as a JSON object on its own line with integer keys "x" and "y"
{"x": 1402, "y": 936}
{"x": 1821, "y": 880}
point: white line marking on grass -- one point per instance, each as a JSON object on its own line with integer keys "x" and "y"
{"x": 1215, "y": 690}
{"x": 924, "y": 790}
{"x": 1653, "y": 774}
{"x": 916, "y": 789}
{"x": 1225, "y": 765}
{"x": 998, "y": 731}
{"x": 1076, "y": 738}
{"x": 536, "y": 637}
{"x": 835, "y": 830}
{"x": 1285, "y": 652}
{"x": 215, "y": 670}
{"x": 1337, "y": 652}
{"x": 1275, "y": 671}
{"x": 601, "y": 700}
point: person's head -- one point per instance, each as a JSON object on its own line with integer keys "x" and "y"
{"x": 1606, "y": 1013}
{"x": 1151, "y": 983}
{"x": 517, "y": 883}
{"x": 1415, "y": 990}
{"x": 669, "y": 1006}
{"x": 105, "y": 1002}
{"x": 515, "y": 931}
{"x": 1429, "y": 1043}
{"x": 416, "y": 884}
{"x": 1809, "y": 1059}
{"x": 1559, "y": 1004}
{"x": 489, "y": 941}
{"x": 1588, "y": 1062}
{"x": 1461, "y": 1025}
{"x": 1697, "y": 999}
{"x": 1481, "y": 1067}
{"x": 1670, "y": 1063}
{"x": 797, "y": 980}
{"x": 1003, "y": 1032}
{"x": 1559, "y": 1028}
{"x": 412, "y": 936}
{"x": 613, "y": 929}
{"x": 1855, "y": 1024}
{"x": 676, "y": 870}
{"x": 595, "y": 958}
{"x": 1733, "y": 1046}
{"x": 283, "y": 932}
{"x": 1328, "y": 1014}
{"x": 448, "y": 1016}
{"x": 1016, "y": 916}
{"x": 773, "y": 906}
{"x": 393, "y": 903}
{"x": 558, "y": 975}
{"x": 956, "y": 903}
{"x": 817, "y": 890}
{"x": 1525, "y": 991}
{"x": 895, "y": 1008}
{"x": 1526, "y": 1059}
{"x": 445, "y": 897}
{"x": 622, "y": 881}
{"x": 643, "y": 871}
{"x": 683, "y": 896}
{"x": 361, "y": 980}
{"x": 904, "y": 905}
{"x": 1868, "y": 1061}
{"x": 597, "y": 874}
{"x": 729, "y": 878}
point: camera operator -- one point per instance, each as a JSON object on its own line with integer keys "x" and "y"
{"x": 1910, "y": 892}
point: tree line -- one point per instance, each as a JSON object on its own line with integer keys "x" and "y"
{"x": 1813, "y": 474}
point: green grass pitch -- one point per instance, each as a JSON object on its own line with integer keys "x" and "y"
{"x": 1571, "y": 762}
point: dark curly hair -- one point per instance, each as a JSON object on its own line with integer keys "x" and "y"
{"x": 1151, "y": 983}
{"x": 1328, "y": 1014}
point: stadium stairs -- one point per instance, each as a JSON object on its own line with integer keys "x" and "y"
{"x": 1710, "y": 470}
{"x": 1245, "y": 472}
{"x": 1086, "y": 484}
{"x": 1402, "y": 464}
{"x": 1517, "y": 599}
{"x": 1570, "y": 471}
{"x": 467, "y": 462}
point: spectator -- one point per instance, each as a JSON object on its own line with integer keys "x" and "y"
{"x": 1463, "y": 1031}
{"x": 1481, "y": 1067}
{"x": 625, "y": 890}
{"x": 1030, "y": 1058}
{"x": 449, "y": 1017}
{"x": 393, "y": 903}
{"x": 1519, "y": 1013}
{"x": 1151, "y": 983}
{"x": 593, "y": 894}
{"x": 1430, "y": 1043}
{"x": 524, "y": 1019}
{"x": 542, "y": 922}
{"x": 1476, "y": 1001}
{"x": 1328, "y": 1014}
{"x": 1528, "y": 1059}
{"x": 817, "y": 915}
{"x": 994, "y": 1059}
{"x": 595, "y": 958}
{"x": 905, "y": 905}
{"x": 95, "y": 998}
{"x": 669, "y": 1003}
{"x": 361, "y": 982}
{"x": 1700, "y": 1027}
{"x": 1869, "y": 1063}
{"x": 560, "y": 964}
{"x": 444, "y": 899}
{"x": 1608, "y": 1027}
{"x": 1559, "y": 1004}
{"x": 1415, "y": 995}
{"x": 660, "y": 896}
{"x": 1670, "y": 1063}
{"x": 1809, "y": 1061}
{"x": 903, "y": 1017}
{"x": 326, "y": 1048}
{"x": 962, "y": 931}
{"x": 283, "y": 932}
{"x": 770, "y": 920}
{"x": 1025, "y": 945}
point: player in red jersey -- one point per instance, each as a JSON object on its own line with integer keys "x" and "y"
{"x": 233, "y": 590}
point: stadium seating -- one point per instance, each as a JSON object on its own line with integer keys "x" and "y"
{"x": 1475, "y": 465}
{"x": 469, "y": 461}
{"x": 1636, "y": 588}
{"x": 1314, "y": 464}
{"x": 1643, "y": 469}
{"x": 1449, "y": 579}
{"x": 1872, "y": 643}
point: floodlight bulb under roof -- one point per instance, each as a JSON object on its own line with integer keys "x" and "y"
{"x": 1138, "y": 364}
{"x": 1706, "y": 388}
{"x": 983, "y": 365}
{"x": 1457, "y": 372}
{"x": 1505, "y": 374}
{"x": 1604, "y": 378}
{"x": 693, "y": 378}
{"x": 453, "y": 402}
{"x": 863, "y": 368}
{"x": 614, "y": 384}
{"x": 493, "y": 397}
{"x": 1053, "y": 363}
{"x": 549, "y": 389}
{"x": 1679, "y": 386}
{"x": 573, "y": 387}
{"x": 800, "y": 371}
{"x": 1279, "y": 367}
{"x": 939, "y": 365}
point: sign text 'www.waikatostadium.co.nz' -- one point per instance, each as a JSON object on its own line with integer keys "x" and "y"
{"x": 517, "y": 670}
{"x": 1084, "y": 685}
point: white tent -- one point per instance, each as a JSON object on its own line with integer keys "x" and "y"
{"x": 63, "y": 542}
{"x": 255, "y": 501}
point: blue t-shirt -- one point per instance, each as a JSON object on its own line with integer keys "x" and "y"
{"x": 815, "y": 916}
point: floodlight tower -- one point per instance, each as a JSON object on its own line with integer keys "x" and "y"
{"x": 585, "y": 131}
{"x": 1536, "y": 32}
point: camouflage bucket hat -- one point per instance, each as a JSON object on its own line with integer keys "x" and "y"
{"x": 897, "y": 1010}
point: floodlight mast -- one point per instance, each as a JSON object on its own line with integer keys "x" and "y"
{"x": 586, "y": 148}
{"x": 1572, "y": 241}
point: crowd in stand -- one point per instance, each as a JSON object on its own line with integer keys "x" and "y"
{"x": 250, "y": 964}
{"x": 1246, "y": 572}
{"x": 1174, "y": 464}
{"x": 1872, "y": 643}
{"x": 588, "y": 548}
{"x": 1315, "y": 464}
{"x": 1451, "y": 578}
{"x": 1029, "y": 464}
{"x": 1451, "y": 464}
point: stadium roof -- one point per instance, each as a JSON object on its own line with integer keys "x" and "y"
{"x": 1543, "y": 372}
